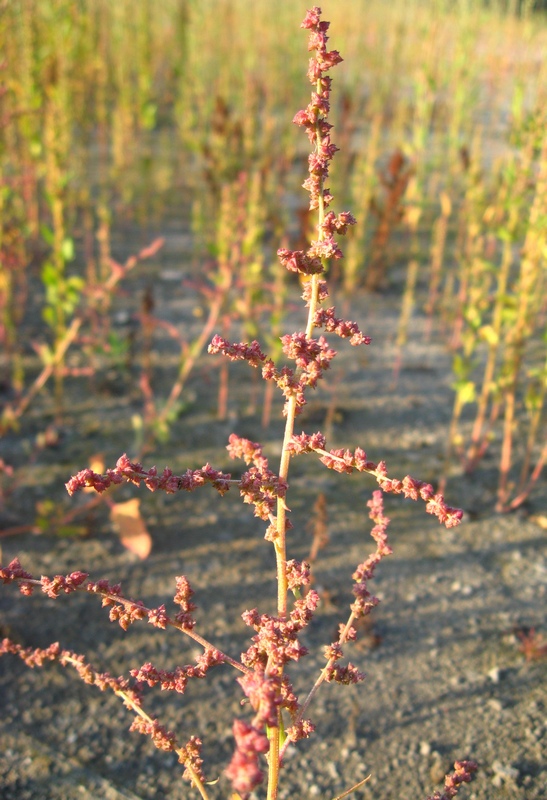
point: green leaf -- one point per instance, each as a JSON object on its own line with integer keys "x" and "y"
{"x": 49, "y": 316}
{"x": 465, "y": 390}
{"x": 505, "y": 235}
{"x": 148, "y": 116}
{"x": 460, "y": 367}
{"x": 67, "y": 249}
{"x": 488, "y": 334}
{"x": 49, "y": 275}
{"x": 48, "y": 235}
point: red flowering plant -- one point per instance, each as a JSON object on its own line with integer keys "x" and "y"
{"x": 279, "y": 717}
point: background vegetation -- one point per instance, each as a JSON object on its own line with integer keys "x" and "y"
{"x": 121, "y": 122}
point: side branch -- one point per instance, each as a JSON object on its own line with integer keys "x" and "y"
{"x": 189, "y": 755}
{"x": 122, "y": 609}
{"x": 347, "y": 461}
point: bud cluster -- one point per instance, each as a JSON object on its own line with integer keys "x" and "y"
{"x": 346, "y": 461}
{"x": 133, "y": 472}
{"x": 36, "y": 657}
{"x": 258, "y": 486}
{"x": 314, "y": 119}
{"x": 244, "y": 771}
{"x": 463, "y": 773}
{"x": 177, "y": 680}
{"x": 365, "y": 601}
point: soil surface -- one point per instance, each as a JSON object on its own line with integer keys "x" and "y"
{"x": 446, "y": 678}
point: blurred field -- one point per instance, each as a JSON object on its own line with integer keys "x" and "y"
{"x": 122, "y": 122}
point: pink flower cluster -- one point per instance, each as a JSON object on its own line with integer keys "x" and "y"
{"x": 299, "y": 261}
{"x": 261, "y": 487}
{"x": 183, "y": 598}
{"x": 365, "y": 601}
{"x": 314, "y": 119}
{"x": 298, "y": 575}
{"x": 286, "y": 380}
{"x": 133, "y": 472}
{"x": 346, "y": 461}
{"x": 322, "y": 292}
{"x": 312, "y": 357}
{"x": 123, "y": 610}
{"x": 15, "y": 572}
{"x": 300, "y": 729}
{"x": 244, "y": 771}
{"x": 59, "y": 583}
{"x": 276, "y": 641}
{"x": 237, "y": 351}
{"x": 463, "y": 773}
{"x": 127, "y": 611}
{"x": 305, "y": 443}
{"x": 347, "y": 675}
{"x": 324, "y": 318}
{"x": 33, "y": 657}
{"x": 267, "y": 687}
{"x": 162, "y": 738}
{"x": 177, "y": 680}
{"x": 190, "y": 755}
{"x": 258, "y": 486}
{"x": 250, "y": 452}
{"x": 36, "y": 657}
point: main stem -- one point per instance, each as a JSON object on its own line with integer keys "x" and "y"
{"x": 280, "y": 542}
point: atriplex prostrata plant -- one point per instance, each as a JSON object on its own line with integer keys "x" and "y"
{"x": 279, "y": 717}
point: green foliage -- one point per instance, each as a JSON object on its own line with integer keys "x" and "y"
{"x": 62, "y": 294}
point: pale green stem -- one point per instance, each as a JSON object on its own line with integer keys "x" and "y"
{"x": 280, "y": 538}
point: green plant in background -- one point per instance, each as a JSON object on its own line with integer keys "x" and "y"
{"x": 499, "y": 364}
{"x": 13, "y": 284}
{"x": 437, "y": 255}
{"x": 62, "y": 291}
{"x": 529, "y": 291}
{"x": 363, "y": 188}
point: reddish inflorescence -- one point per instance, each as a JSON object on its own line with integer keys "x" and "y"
{"x": 364, "y": 600}
{"x": 244, "y": 771}
{"x": 133, "y": 472}
{"x": 177, "y": 680}
{"x": 238, "y": 351}
{"x": 314, "y": 119}
{"x": 37, "y": 657}
{"x": 463, "y": 773}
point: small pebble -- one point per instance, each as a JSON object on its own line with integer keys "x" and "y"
{"x": 494, "y": 674}
{"x": 425, "y": 749}
{"x": 505, "y": 771}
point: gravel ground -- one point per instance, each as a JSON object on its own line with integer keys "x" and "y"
{"x": 446, "y": 678}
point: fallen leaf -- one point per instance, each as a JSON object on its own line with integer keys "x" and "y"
{"x": 133, "y": 533}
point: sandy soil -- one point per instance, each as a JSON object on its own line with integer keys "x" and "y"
{"x": 445, "y": 677}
